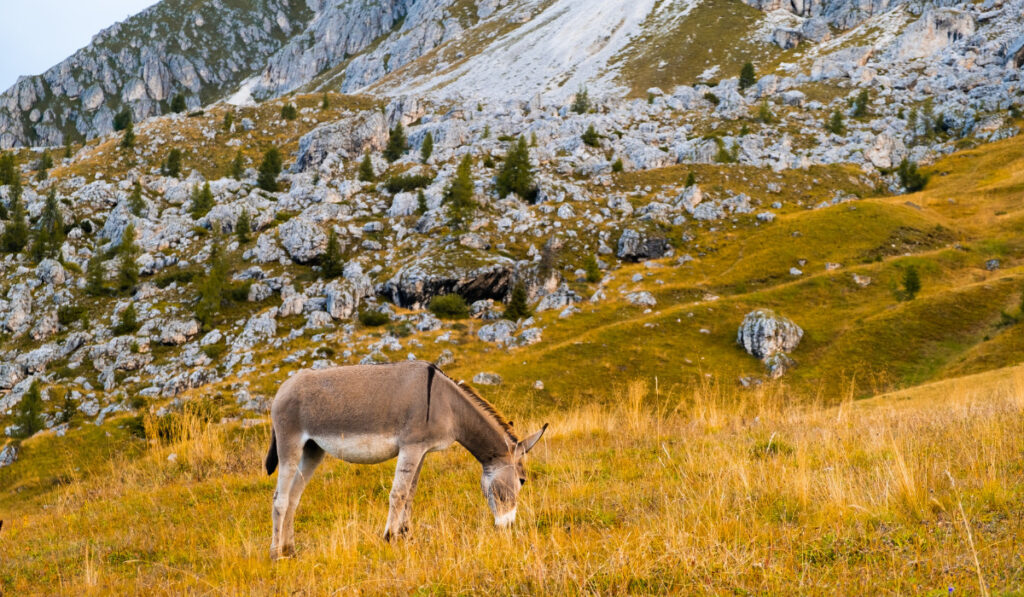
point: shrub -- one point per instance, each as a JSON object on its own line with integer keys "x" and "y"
{"x": 517, "y": 305}
{"x": 215, "y": 350}
{"x": 69, "y": 314}
{"x": 243, "y": 227}
{"x": 617, "y": 166}
{"x": 835, "y": 123}
{"x": 121, "y": 120}
{"x": 94, "y": 275}
{"x": 449, "y": 306}
{"x": 211, "y": 291}
{"x": 590, "y": 137}
{"x": 332, "y": 263}
{"x": 397, "y": 143}
{"x": 128, "y": 140}
{"x": 237, "y": 166}
{"x": 270, "y": 168}
{"x": 135, "y": 202}
{"x": 592, "y": 269}
{"x": 421, "y": 203}
{"x": 581, "y": 105}
{"x": 373, "y": 319}
{"x": 747, "y": 76}
{"x": 910, "y": 177}
{"x": 407, "y": 182}
{"x": 860, "y": 104}
{"x": 49, "y": 233}
{"x": 289, "y": 112}
{"x": 325, "y": 102}
{"x": 128, "y": 322}
{"x": 691, "y": 179}
{"x": 202, "y": 201}
{"x": 229, "y": 120}
{"x": 8, "y": 168}
{"x": 178, "y": 104}
{"x": 711, "y": 97}
{"x": 764, "y": 113}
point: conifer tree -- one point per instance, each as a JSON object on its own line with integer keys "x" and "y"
{"x": 366, "y": 173}
{"x": 127, "y": 268}
{"x": 332, "y": 263}
{"x": 237, "y": 166}
{"x": 202, "y": 201}
{"x": 747, "y": 76}
{"x": 136, "y": 204}
{"x": 590, "y": 137}
{"x": 459, "y": 195}
{"x": 128, "y": 140}
{"x": 860, "y": 104}
{"x": 835, "y": 124}
{"x": 15, "y": 235}
{"x": 45, "y": 163}
{"x": 243, "y": 227}
{"x": 121, "y": 119}
{"x": 421, "y": 202}
{"x": 516, "y": 175}
{"x": 128, "y": 322}
{"x": 211, "y": 291}
{"x": 229, "y": 120}
{"x": 270, "y": 168}
{"x": 427, "y": 149}
{"x": 178, "y": 104}
{"x": 325, "y": 102}
{"x": 691, "y": 179}
{"x": 172, "y": 165}
{"x": 289, "y": 112}
{"x": 517, "y": 305}
{"x": 581, "y": 105}
{"x": 30, "y": 412}
{"x": 911, "y": 283}
{"x": 397, "y": 143}
{"x": 94, "y": 275}
{"x": 49, "y": 234}
{"x": 8, "y": 168}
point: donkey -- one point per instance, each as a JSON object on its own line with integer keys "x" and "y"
{"x": 368, "y": 414}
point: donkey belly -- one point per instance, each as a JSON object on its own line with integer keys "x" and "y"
{"x": 360, "y": 449}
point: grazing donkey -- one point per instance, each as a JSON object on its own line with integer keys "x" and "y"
{"x": 367, "y": 414}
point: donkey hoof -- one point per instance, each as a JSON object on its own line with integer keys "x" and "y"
{"x": 288, "y": 551}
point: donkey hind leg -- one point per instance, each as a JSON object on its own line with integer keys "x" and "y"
{"x": 289, "y": 454}
{"x": 407, "y": 472}
{"x": 312, "y": 456}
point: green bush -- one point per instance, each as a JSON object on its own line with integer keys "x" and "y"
{"x": 405, "y": 183}
{"x": 178, "y": 104}
{"x": 29, "y": 417}
{"x": 69, "y": 314}
{"x": 269, "y": 170}
{"x": 617, "y": 166}
{"x": 373, "y": 319}
{"x": 289, "y": 112}
{"x": 747, "y": 76}
{"x": 910, "y": 177}
{"x": 592, "y": 269}
{"x": 449, "y": 306}
{"x": 128, "y": 322}
{"x": 517, "y": 305}
{"x": 590, "y": 137}
{"x": 911, "y": 283}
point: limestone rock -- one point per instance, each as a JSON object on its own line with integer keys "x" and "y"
{"x": 763, "y": 334}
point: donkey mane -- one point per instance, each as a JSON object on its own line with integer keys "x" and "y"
{"x": 484, "y": 406}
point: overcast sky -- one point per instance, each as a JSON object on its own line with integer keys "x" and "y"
{"x": 37, "y": 34}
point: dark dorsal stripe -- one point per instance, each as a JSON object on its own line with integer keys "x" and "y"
{"x": 431, "y": 368}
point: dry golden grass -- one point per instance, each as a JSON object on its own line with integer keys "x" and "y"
{"x": 707, "y": 491}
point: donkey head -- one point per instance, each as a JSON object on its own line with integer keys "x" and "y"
{"x": 504, "y": 477}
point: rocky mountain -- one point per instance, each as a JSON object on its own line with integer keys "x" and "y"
{"x": 491, "y": 49}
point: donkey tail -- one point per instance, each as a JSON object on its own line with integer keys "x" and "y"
{"x": 272, "y": 454}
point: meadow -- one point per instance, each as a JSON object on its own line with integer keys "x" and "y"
{"x": 702, "y": 491}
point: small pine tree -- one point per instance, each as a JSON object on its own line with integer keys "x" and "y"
{"x": 517, "y": 305}
{"x": 121, "y": 120}
{"x": 860, "y": 104}
{"x": 325, "y": 102}
{"x": 581, "y": 105}
{"x": 127, "y": 268}
{"x": 15, "y": 235}
{"x": 270, "y": 168}
{"x": 243, "y": 227}
{"x": 691, "y": 179}
{"x": 617, "y": 166}
{"x": 178, "y": 104}
{"x": 202, "y": 201}
{"x": 333, "y": 263}
{"x": 211, "y": 291}
{"x": 49, "y": 234}
{"x": 172, "y": 165}
{"x": 94, "y": 275}
{"x": 397, "y": 143}
{"x": 590, "y": 137}
{"x": 229, "y": 120}
{"x": 764, "y": 113}
{"x": 835, "y": 124}
{"x": 29, "y": 418}
{"x": 128, "y": 139}
{"x": 128, "y": 323}
{"x": 238, "y": 166}
{"x": 747, "y": 76}
{"x": 8, "y": 168}
{"x": 288, "y": 112}
{"x": 421, "y": 202}
{"x": 910, "y": 177}
{"x": 516, "y": 175}
{"x": 366, "y": 173}
{"x": 45, "y": 163}
{"x": 427, "y": 149}
{"x": 592, "y": 269}
{"x": 911, "y": 283}
{"x": 135, "y": 202}
{"x": 459, "y": 195}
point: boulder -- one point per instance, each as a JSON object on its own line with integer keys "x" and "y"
{"x": 635, "y": 247}
{"x": 936, "y": 29}
{"x": 472, "y": 276}
{"x": 303, "y": 239}
{"x": 887, "y": 152}
{"x": 348, "y": 138}
{"x": 8, "y": 455}
{"x": 50, "y": 271}
{"x": 764, "y": 334}
{"x": 499, "y": 332}
{"x": 641, "y": 299}
{"x": 487, "y": 379}
{"x": 178, "y": 332}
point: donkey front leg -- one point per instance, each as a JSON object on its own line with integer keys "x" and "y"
{"x": 287, "y": 467}
{"x": 407, "y": 473}
{"x": 312, "y": 456}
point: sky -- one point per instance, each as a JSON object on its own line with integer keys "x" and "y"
{"x": 37, "y": 34}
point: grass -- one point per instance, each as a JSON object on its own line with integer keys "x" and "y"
{"x": 706, "y": 490}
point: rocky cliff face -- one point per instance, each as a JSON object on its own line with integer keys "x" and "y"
{"x": 199, "y": 49}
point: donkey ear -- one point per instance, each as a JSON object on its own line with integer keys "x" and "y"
{"x": 527, "y": 444}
